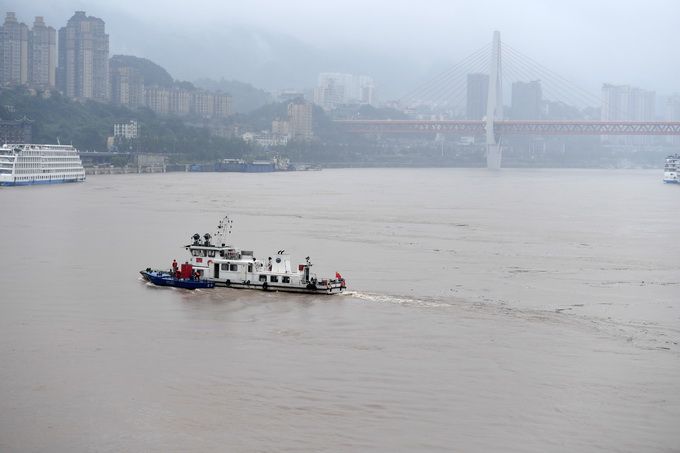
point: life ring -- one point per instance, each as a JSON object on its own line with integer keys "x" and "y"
{"x": 227, "y": 283}
{"x": 264, "y": 286}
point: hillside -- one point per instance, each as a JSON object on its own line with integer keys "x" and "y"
{"x": 88, "y": 124}
{"x": 245, "y": 97}
{"x": 152, "y": 73}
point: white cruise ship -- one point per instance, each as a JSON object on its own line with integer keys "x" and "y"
{"x": 671, "y": 171}
{"x": 24, "y": 164}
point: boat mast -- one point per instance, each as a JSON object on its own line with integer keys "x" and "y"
{"x": 223, "y": 230}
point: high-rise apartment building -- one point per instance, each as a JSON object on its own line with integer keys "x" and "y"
{"x": 13, "y": 51}
{"x": 204, "y": 104}
{"x": 329, "y": 94}
{"x": 42, "y": 55}
{"x": 180, "y": 101}
{"x": 222, "y": 105}
{"x": 83, "y": 70}
{"x": 527, "y": 100}
{"x": 365, "y": 90}
{"x": 626, "y": 103}
{"x": 300, "y": 120}
{"x": 477, "y": 94}
{"x": 157, "y": 99}
{"x": 127, "y": 86}
{"x": 335, "y": 88}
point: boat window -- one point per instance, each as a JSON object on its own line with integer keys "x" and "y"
{"x": 250, "y": 268}
{"x": 285, "y": 280}
{"x": 273, "y": 279}
{"x": 225, "y": 267}
{"x": 211, "y": 253}
{"x": 263, "y": 278}
{"x": 234, "y": 267}
{"x": 196, "y": 252}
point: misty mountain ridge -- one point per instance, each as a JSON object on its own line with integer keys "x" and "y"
{"x": 233, "y": 51}
{"x": 265, "y": 59}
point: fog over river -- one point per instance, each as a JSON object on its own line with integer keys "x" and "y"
{"x": 511, "y": 311}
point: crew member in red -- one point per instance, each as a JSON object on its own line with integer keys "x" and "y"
{"x": 342, "y": 280}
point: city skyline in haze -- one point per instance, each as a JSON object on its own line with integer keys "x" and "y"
{"x": 276, "y": 45}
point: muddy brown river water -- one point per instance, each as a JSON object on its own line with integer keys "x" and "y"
{"x": 515, "y": 311}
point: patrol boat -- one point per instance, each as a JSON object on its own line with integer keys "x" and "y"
{"x": 175, "y": 279}
{"x": 214, "y": 260}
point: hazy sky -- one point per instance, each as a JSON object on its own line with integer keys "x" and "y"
{"x": 588, "y": 41}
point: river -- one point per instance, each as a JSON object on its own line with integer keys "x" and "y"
{"x": 511, "y": 311}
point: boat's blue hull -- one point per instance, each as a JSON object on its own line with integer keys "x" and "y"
{"x": 38, "y": 182}
{"x": 165, "y": 279}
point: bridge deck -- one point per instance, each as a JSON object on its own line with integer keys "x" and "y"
{"x": 514, "y": 127}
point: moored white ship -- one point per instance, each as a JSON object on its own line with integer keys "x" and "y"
{"x": 214, "y": 260}
{"x": 671, "y": 170}
{"x": 25, "y": 164}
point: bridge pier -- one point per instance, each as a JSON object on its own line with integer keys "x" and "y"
{"x": 494, "y": 154}
{"x": 494, "y": 106}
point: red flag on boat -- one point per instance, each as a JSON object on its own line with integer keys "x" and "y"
{"x": 338, "y": 276}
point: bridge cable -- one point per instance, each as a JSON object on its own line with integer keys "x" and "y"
{"x": 434, "y": 91}
{"x": 425, "y": 88}
{"x": 556, "y": 78}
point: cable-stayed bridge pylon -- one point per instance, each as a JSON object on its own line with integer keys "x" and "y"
{"x": 471, "y": 95}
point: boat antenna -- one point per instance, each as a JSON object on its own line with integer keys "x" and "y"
{"x": 58, "y": 142}
{"x": 223, "y": 230}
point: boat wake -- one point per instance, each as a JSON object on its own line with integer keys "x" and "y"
{"x": 399, "y": 300}
{"x": 641, "y": 334}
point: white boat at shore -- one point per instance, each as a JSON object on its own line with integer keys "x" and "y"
{"x": 26, "y": 164}
{"x": 213, "y": 259}
{"x": 671, "y": 170}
